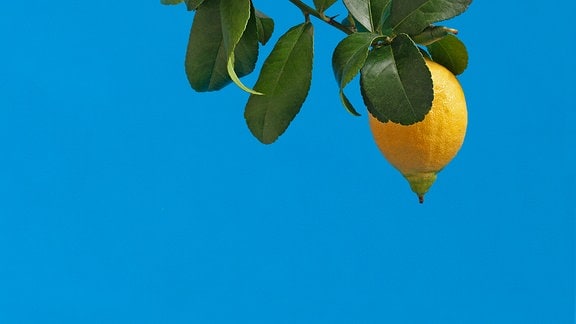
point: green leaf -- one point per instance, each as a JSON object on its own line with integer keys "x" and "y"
{"x": 347, "y": 60}
{"x": 207, "y": 58}
{"x": 347, "y": 104}
{"x": 412, "y": 16}
{"x": 432, "y": 34}
{"x": 424, "y": 53}
{"x": 451, "y": 53}
{"x": 378, "y": 9}
{"x": 360, "y": 10}
{"x": 285, "y": 80}
{"x": 369, "y": 13}
{"x": 193, "y": 4}
{"x": 234, "y": 18}
{"x": 265, "y": 27}
{"x": 395, "y": 83}
{"x": 246, "y": 51}
{"x": 349, "y": 21}
{"x": 170, "y": 2}
{"x": 322, "y": 5}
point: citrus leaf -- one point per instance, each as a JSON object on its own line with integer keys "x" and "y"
{"x": 360, "y": 10}
{"x": 424, "y": 53}
{"x": 234, "y": 19}
{"x": 412, "y": 16}
{"x": 432, "y": 34}
{"x": 347, "y": 60}
{"x": 206, "y": 57}
{"x": 451, "y": 53}
{"x": 322, "y": 5}
{"x": 246, "y": 51}
{"x": 193, "y": 4}
{"x": 350, "y": 54}
{"x": 285, "y": 80}
{"x": 378, "y": 9}
{"x": 170, "y": 2}
{"x": 348, "y": 105}
{"x": 265, "y": 27}
{"x": 395, "y": 83}
{"x": 349, "y": 21}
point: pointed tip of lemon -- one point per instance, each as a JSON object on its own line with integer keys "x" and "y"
{"x": 420, "y": 183}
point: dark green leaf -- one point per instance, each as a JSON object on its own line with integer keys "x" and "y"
{"x": 424, "y": 53}
{"x": 285, "y": 80}
{"x": 265, "y": 27}
{"x": 349, "y": 21}
{"x": 234, "y": 18}
{"x": 432, "y": 34}
{"x": 412, "y": 16}
{"x": 349, "y": 56}
{"x": 378, "y": 8}
{"x": 348, "y": 105}
{"x": 170, "y": 2}
{"x": 369, "y": 13}
{"x": 322, "y": 5}
{"x": 193, "y": 4}
{"x": 451, "y": 53}
{"x": 360, "y": 10}
{"x": 246, "y": 51}
{"x": 206, "y": 56}
{"x": 396, "y": 85}
{"x": 347, "y": 60}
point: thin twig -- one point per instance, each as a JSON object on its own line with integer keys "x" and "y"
{"x": 307, "y": 10}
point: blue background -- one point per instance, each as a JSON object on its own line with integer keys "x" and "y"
{"x": 125, "y": 197}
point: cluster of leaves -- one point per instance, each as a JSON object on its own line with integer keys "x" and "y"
{"x": 387, "y": 42}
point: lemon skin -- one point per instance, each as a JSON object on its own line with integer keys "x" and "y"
{"x": 421, "y": 150}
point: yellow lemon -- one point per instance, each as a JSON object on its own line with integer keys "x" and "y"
{"x": 421, "y": 150}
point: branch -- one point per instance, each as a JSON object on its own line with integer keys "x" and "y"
{"x": 307, "y": 10}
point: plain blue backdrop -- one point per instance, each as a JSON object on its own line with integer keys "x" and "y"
{"x": 126, "y": 197}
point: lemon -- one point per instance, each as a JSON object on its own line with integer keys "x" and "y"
{"x": 421, "y": 150}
